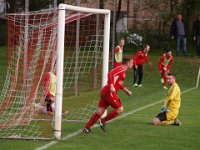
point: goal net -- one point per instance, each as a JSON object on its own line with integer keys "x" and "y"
{"x": 33, "y": 40}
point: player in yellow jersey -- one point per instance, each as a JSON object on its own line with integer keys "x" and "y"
{"x": 118, "y": 52}
{"x": 172, "y": 102}
{"x": 50, "y": 88}
{"x": 50, "y": 92}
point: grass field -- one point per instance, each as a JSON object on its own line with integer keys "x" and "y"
{"x": 133, "y": 129}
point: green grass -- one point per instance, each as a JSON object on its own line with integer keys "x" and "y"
{"x": 134, "y": 131}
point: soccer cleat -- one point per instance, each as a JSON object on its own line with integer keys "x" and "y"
{"x": 65, "y": 113}
{"x": 86, "y": 130}
{"x": 177, "y": 122}
{"x": 135, "y": 85}
{"x": 102, "y": 125}
{"x": 164, "y": 87}
{"x": 140, "y": 85}
{"x": 162, "y": 80}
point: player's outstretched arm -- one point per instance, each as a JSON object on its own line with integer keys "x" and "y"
{"x": 150, "y": 63}
{"x": 129, "y": 93}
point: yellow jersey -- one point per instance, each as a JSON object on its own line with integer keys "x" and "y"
{"x": 50, "y": 84}
{"x": 118, "y": 54}
{"x": 173, "y": 101}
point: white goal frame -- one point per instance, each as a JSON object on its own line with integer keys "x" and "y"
{"x": 60, "y": 56}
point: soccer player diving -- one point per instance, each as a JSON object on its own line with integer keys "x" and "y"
{"x": 108, "y": 96}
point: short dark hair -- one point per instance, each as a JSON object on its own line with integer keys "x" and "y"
{"x": 171, "y": 74}
{"x": 145, "y": 45}
{"x": 167, "y": 50}
{"x": 126, "y": 59}
{"x": 121, "y": 39}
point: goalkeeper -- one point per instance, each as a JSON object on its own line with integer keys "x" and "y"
{"x": 170, "y": 110}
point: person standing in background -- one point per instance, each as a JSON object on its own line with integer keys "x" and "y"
{"x": 178, "y": 31}
{"x": 196, "y": 34}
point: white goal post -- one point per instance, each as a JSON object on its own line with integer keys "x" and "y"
{"x": 60, "y": 56}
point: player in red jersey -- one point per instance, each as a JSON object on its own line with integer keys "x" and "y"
{"x": 109, "y": 96}
{"x": 164, "y": 65}
{"x": 138, "y": 60}
{"x": 119, "y": 53}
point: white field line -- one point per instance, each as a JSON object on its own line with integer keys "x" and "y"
{"x": 122, "y": 116}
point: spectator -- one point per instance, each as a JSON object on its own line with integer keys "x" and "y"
{"x": 196, "y": 34}
{"x": 178, "y": 31}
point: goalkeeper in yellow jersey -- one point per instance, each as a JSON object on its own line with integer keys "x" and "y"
{"x": 170, "y": 110}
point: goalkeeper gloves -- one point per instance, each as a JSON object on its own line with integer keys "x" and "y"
{"x": 164, "y": 109}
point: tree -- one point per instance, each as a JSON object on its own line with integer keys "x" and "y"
{"x": 190, "y": 9}
{"x": 119, "y": 10}
{"x": 16, "y": 6}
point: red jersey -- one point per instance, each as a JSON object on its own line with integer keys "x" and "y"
{"x": 140, "y": 57}
{"x": 116, "y": 77}
{"x": 165, "y": 61}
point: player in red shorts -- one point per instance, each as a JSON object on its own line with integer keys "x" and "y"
{"x": 109, "y": 96}
{"x": 164, "y": 65}
{"x": 119, "y": 53}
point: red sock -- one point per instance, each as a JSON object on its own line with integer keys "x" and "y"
{"x": 110, "y": 116}
{"x": 92, "y": 120}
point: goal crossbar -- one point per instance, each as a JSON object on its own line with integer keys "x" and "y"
{"x": 84, "y": 9}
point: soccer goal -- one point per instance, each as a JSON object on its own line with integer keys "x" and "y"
{"x": 85, "y": 57}
{"x": 76, "y": 39}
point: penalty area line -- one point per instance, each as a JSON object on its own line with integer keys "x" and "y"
{"x": 122, "y": 116}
